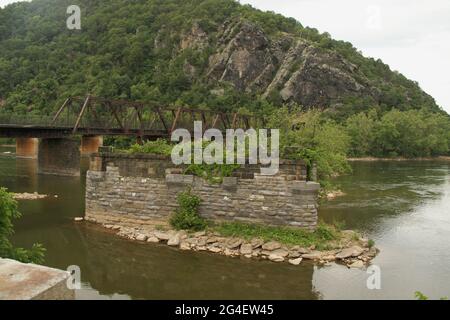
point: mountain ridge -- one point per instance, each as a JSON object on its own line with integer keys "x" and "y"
{"x": 215, "y": 53}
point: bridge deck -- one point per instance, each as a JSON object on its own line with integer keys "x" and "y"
{"x": 99, "y": 116}
{"x": 32, "y": 131}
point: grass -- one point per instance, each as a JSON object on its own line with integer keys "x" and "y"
{"x": 321, "y": 238}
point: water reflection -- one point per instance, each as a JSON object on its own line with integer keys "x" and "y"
{"x": 117, "y": 269}
{"x": 403, "y": 206}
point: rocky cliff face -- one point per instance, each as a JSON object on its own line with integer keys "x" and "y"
{"x": 290, "y": 68}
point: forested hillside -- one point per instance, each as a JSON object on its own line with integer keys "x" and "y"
{"x": 215, "y": 54}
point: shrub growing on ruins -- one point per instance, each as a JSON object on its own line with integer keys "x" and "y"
{"x": 186, "y": 216}
{"x": 159, "y": 146}
{"x": 9, "y": 211}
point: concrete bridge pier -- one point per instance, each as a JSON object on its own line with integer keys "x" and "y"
{"x": 90, "y": 144}
{"x": 59, "y": 156}
{"x": 27, "y": 147}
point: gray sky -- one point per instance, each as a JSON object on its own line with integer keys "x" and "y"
{"x": 412, "y": 36}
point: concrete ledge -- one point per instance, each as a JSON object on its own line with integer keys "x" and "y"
{"x": 20, "y": 281}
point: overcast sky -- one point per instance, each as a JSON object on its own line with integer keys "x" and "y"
{"x": 412, "y": 36}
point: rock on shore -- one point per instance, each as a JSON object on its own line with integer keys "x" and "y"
{"x": 352, "y": 250}
{"x": 29, "y": 196}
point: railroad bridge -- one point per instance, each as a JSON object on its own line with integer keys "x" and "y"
{"x": 81, "y": 122}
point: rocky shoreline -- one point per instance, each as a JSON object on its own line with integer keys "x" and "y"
{"x": 352, "y": 250}
{"x": 29, "y": 196}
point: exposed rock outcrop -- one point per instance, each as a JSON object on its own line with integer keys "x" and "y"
{"x": 295, "y": 69}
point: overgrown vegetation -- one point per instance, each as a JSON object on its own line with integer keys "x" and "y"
{"x": 321, "y": 238}
{"x": 8, "y": 212}
{"x": 314, "y": 138}
{"x": 160, "y": 146}
{"x": 213, "y": 173}
{"x": 186, "y": 216}
{"x": 420, "y": 296}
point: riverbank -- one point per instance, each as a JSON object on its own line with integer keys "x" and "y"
{"x": 440, "y": 158}
{"x": 292, "y": 246}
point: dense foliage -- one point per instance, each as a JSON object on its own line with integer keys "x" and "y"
{"x": 8, "y": 212}
{"x": 186, "y": 216}
{"x": 131, "y": 49}
{"x": 396, "y": 133}
{"x": 160, "y": 146}
{"x": 314, "y": 138}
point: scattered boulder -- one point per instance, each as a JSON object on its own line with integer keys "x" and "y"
{"x": 214, "y": 249}
{"x": 315, "y": 255}
{"x": 233, "y": 243}
{"x": 174, "y": 240}
{"x": 184, "y": 245}
{"x": 354, "y": 251}
{"x": 246, "y": 249}
{"x": 192, "y": 241}
{"x": 295, "y": 262}
{"x": 202, "y": 241}
{"x": 141, "y": 237}
{"x": 257, "y": 243}
{"x": 152, "y": 239}
{"x": 29, "y": 196}
{"x": 304, "y": 250}
{"x": 230, "y": 252}
{"x": 164, "y": 236}
{"x": 280, "y": 252}
{"x": 364, "y": 242}
{"x": 199, "y": 234}
{"x": 272, "y": 245}
{"x": 211, "y": 240}
{"x": 276, "y": 258}
{"x": 329, "y": 257}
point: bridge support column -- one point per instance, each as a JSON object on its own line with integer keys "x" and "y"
{"x": 27, "y": 147}
{"x": 90, "y": 144}
{"x": 59, "y": 156}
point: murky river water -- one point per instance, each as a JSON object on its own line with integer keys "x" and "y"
{"x": 403, "y": 206}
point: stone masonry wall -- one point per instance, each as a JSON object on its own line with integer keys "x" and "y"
{"x": 142, "y": 189}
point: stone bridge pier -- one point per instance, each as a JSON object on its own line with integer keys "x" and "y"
{"x": 59, "y": 156}
{"x": 27, "y": 147}
{"x": 90, "y": 144}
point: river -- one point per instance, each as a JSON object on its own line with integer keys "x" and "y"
{"x": 403, "y": 206}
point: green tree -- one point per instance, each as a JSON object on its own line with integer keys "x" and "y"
{"x": 360, "y": 128}
{"x": 8, "y": 212}
{"x": 312, "y": 137}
